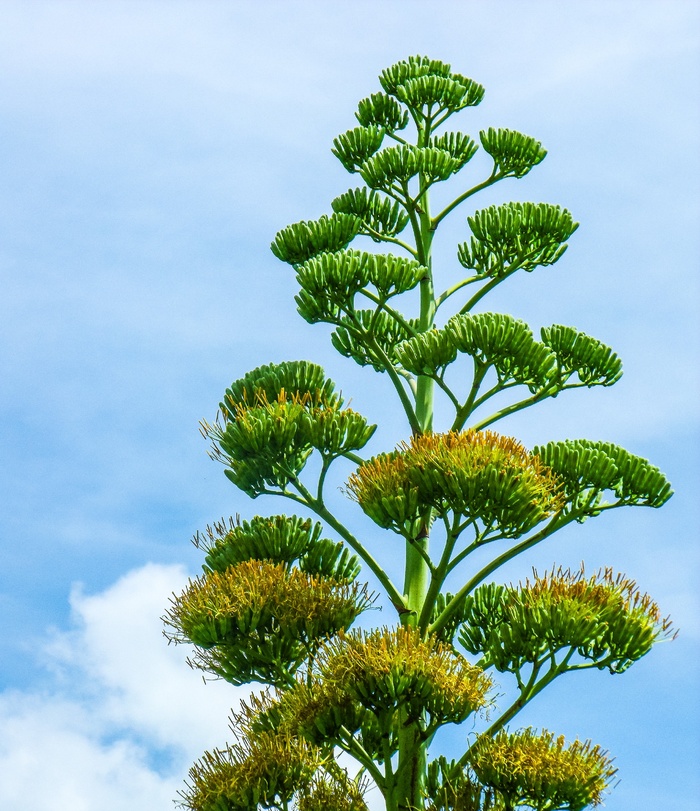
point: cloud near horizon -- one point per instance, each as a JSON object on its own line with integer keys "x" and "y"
{"x": 123, "y": 718}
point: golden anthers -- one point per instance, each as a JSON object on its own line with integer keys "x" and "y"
{"x": 267, "y": 769}
{"x": 541, "y": 771}
{"x": 388, "y": 669}
{"x": 602, "y": 617}
{"x": 476, "y": 474}
{"x": 261, "y": 618}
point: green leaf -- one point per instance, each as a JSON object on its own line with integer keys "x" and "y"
{"x": 516, "y": 235}
{"x": 589, "y": 468}
{"x": 382, "y": 111}
{"x": 355, "y": 146}
{"x": 513, "y": 153}
{"x": 577, "y": 353}
{"x": 386, "y": 331}
{"x": 398, "y": 164}
{"x": 378, "y": 213}
{"x": 460, "y": 146}
{"x": 506, "y": 343}
{"x": 302, "y": 240}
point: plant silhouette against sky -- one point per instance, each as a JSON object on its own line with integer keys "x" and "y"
{"x": 277, "y": 597}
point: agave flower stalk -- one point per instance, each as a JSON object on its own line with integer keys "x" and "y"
{"x": 277, "y": 600}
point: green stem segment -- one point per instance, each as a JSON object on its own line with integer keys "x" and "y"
{"x": 412, "y": 745}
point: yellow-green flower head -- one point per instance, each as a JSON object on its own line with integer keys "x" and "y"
{"x": 477, "y": 474}
{"x": 604, "y": 618}
{"x": 540, "y": 771}
{"x": 272, "y": 419}
{"x": 264, "y": 770}
{"x": 388, "y": 669}
{"x": 257, "y": 619}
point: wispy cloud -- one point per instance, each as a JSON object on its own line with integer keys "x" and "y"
{"x": 120, "y": 716}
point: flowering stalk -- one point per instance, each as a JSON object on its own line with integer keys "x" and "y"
{"x": 277, "y": 600}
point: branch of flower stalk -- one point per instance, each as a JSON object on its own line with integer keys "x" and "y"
{"x": 528, "y": 692}
{"x": 393, "y": 375}
{"x": 464, "y": 411}
{"x": 505, "y": 412}
{"x": 412, "y": 539}
{"x": 415, "y": 227}
{"x": 437, "y": 578}
{"x": 325, "y": 467}
{"x": 442, "y": 298}
{"x": 448, "y": 391}
{"x": 384, "y": 238}
{"x": 354, "y": 748}
{"x": 557, "y": 522}
{"x": 480, "y": 540}
{"x": 308, "y": 500}
{"x": 353, "y": 457}
{"x": 382, "y": 305}
{"x": 397, "y": 138}
{"x": 493, "y": 178}
{"x": 382, "y": 357}
{"x": 487, "y": 288}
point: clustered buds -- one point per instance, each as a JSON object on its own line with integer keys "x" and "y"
{"x": 539, "y": 771}
{"x": 269, "y": 430}
{"x": 587, "y": 469}
{"x": 276, "y": 600}
{"x": 264, "y": 769}
{"x": 259, "y": 620}
{"x": 604, "y": 619}
{"x": 279, "y": 539}
{"x": 476, "y": 474}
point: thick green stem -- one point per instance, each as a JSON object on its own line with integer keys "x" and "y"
{"x": 412, "y": 746}
{"x": 557, "y": 522}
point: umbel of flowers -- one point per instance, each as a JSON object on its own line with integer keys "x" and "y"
{"x": 279, "y": 594}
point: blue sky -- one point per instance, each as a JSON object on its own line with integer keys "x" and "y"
{"x": 150, "y": 151}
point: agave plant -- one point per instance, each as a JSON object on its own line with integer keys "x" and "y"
{"x": 277, "y": 599}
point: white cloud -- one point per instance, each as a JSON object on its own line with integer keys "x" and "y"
{"x": 124, "y": 717}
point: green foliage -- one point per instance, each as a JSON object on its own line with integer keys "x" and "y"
{"x": 303, "y": 240}
{"x": 515, "y": 236}
{"x": 513, "y": 153}
{"x": 539, "y": 771}
{"x": 277, "y": 599}
{"x": 603, "y": 619}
